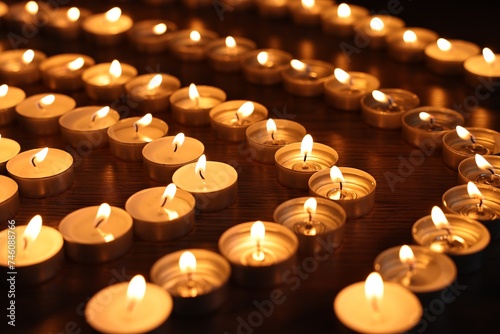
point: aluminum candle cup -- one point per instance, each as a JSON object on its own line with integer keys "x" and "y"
{"x": 429, "y": 133}
{"x": 470, "y": 238}
{"x": 343, "y": 26}
{"x": 64, "y": 72}
{"x": 411, "y": 50}
{"x": 307, "y": 16}
{"x": 105, "y": 31}
{"x": 42, "y": 118}
{"x": 448, "y": 58}
{"x": 99, "y": 84}
{"x": 156, "y": 222}
{"x": 374, "y": 29}
{"x": 161, "y": 161}
{"x": 388, "y": 114}
{"x": 356, "y": 195}
{"x": 16, "y": 71}
{"x": 152, "y": 36}
{"x": 486, "y": 210}
{"x": 309, "y": 81}
{"x": 478, "y": 72}
{"x": 126, "y": 141}
{"x": 184, "y": 47}
{"x": 227, "y": 126}
{"x": 65, "y": 24}
{"x": 279, "y": 247}
{"x": 85, "y": 243}
{"x": 325, "y": 225}
{"x": 8, "y": 102}
{"x": 348, "y": 96}
{"x": 9, "y": 148}
{"x": 9, "y": 198}
{"x": 265, "y": 144}
{"x": 208, "y": 281}
{"x": 52, "y": 176}
{"x": 429, "y": 272}
{"x": 264, "y": 66}
{"x": 80, "y": 128}
{"x": 225, "y": 58}
{"x": 468, "y": 170}
{"x": 152, "y": 99}
{"x": 456, "y": 149}
{"x": 194, "y": 111}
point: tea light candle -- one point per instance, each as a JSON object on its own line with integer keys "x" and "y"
{"x": 481, "y": 68}
{"x": 408, "y": 45}
{"x": 10, "y": 97}
{"x": 272, "y": 8}
{"x": 20, "y": 67}
{"x": 152, "y": 91}
{"x": 30, "y": 13}
{"x": 63, "y": 72}
{"x": 375, "y": 29}
{"x": 213, "y": 184}
{"x": 266, "y": 137}
{"x": 480, "y": 169}
{"x": 106, "y": 81}
{"x": 42, "y": 173}
{"x": 427, "y": 125}
{"x": 128, "y": 136}
{"x": 88, "y": 126}
{"x": 191, "y": 105}
{"x": 40, "y": 113}
{"x": 259, "y": 252}
{"x": 417, "y": 268}
{"x": 345, "y": 89}
{"x": 9, "y": 198}
{"x": 36, "y": 252}
{"x": 312, "y": 219}
{"x": 197, "y": 279}
{"x": 230, "y": 119}
{"x": 352, "y": 189}
{"x": 340, "y": 20}
{"x": 109, "y": 28}
{"x": 465, "y": 142}
{"x": 306, "y": 77}
{"x": 462, "y": 238}
{"x": 161, "y": 213}
{"x": 375, "y": 306}
{"x": 65, "y": 22}
{"x": 129, "y": 307}
{"x": 97, "y": 234}
{"x": 191, "y": 45}
{"x": 447, "y": 57}
{"x": 297, "y": 162}
{"x": 307, "y": 12}
{"x": 264, "y": 66}
{"x": 9, "y": 148}
{"x": 384, "y": 108}
{"x": 225, "y": 54}
{"x": 152, "y": 36}
{"x": 476, "y": 201}
{"x": 163, "y": 156}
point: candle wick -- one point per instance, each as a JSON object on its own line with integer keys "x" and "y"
{"x": 25, "y": 246}
{"x": 40, "y": 106}
{"x": 480, "y": 206}
{"x": 197, "y": 104}
{"x": 305, "y": 157}
{"x": 94, "y": 117}
{"x": 99, "y": 222}
{"x": 164, "y": 202}
{"x": 131, "y": 306}
{"x": 33, "y": 161}
{"x": 473, "y": 140}
{"x": 136, "y": 126}
{"x": 175, "y": 148}
{"x": 309, "y": 223}
{"x": 272, "y": 135}
{"x": 237, "y": 118}
{"x": 201, "y": 175}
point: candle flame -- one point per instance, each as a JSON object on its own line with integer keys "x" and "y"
{"x": 32, "y": 230}
{"x": 136, "y": 290}
{"x": 201, "y": 165}
{"x": 343, "y": 10}
{"x": 113, "y": 14}
{"x": 101, "y": 113}
{"x": 443, "y": 44}
{"x": 143, "y": 121}
{"x": 374, "y": 290}
{"x": 473, "y": 191}
{"x": 307, "y": 4}
{"x": 488, "y": 56}
{"x": 4, "y": 89}
{"x": 379, "y": 96}
{"x": 76, "y": 64}
{"x": 115, "y": 69}
{"x": 155, "y": 82}
{"x": 46, "y": 101}
{"x": 342, "y": 76}
{"x": 298, "y": 65}
{"x": 73, "y": 14}
{"x": 306, "y": 146}
{"x": 178, "y": 141}
{"x": 195, "y": 36}
{"x": 406, "y": 255}
{"x": 31, "y": 7}
{"x": 483, "y": 164}
{"x": 187, "y": 262}
{"x": 464, "y": 133}
{"x": 193, "y": 92}
{"x": 28, "y": 56}
{"x": 409, "y": 36}
{"x": 271, "y": 126}
{"x": 230, "y": 42}
{"x": 40, "y": 156}
{"x": 102, "y": 216}
{"x": 160, "y": 29}
{"x": 438, "y": 218}
{"x": 376, "y": 24}
{"x": 263, "y": 58}
{"x": 168, "y": 194}
{"x": 310, "y": 205}
{"x": 245, "y": 110}
{"x": 424, "y": 116}
{"x": 336, "y": 175}
{"x": 258, "y": 231}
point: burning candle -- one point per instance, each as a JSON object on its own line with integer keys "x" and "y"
{"x": 345, "y": 89}
{"x": 264, "y": 66}
{"x": 297, "y": 162}
{"x": 447, "y": 56}
{"x": 64, "y": 72}
{"x": 308, "y": 12}
{"x": 408, "y": 45}
{"x": 106, "y": 81}
{"x": 259, "y": 252}
{"x": 268, "y": 136}
{"x": 213, "y": 184}
{"x": 340, "y": 20}
{"x": 191, "y": 105}
{"x": 374, "y": 29}
{"x": 481, "y": 68}
{"x": 8, "y": 149}
{"x": 65, "y": 22}
{"x": 35, "y": 250}
{"x": 230, "y": 119}
{"x": 225, "y": 54}
{"x": 40, "y": 113}
{"x": 129, "y": 307}
{"x": 27, "y": 14}
{"x": 20, "y": 67}
{"x": 163, "y": 156}
{"x": 152, "y": 92}
{"x": 9, "y": 198}
{"x": 42, "y": 172}
{"x": 480, "y": 169}
{"x": 10, "y": 97}
{"x": 109, "y": 28}
{"x": 197, "y": 279}
{"x": 462, "y": 238}
{"x": 384, "y": 108}
{"x": 152, "y": 36}
{"x": 128, "y": 136}
{"x": 191, "y": 45}
{"x": 306, "y": 77}
{"x": 375, "y": 306}
{"x": 97, "y": 234}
